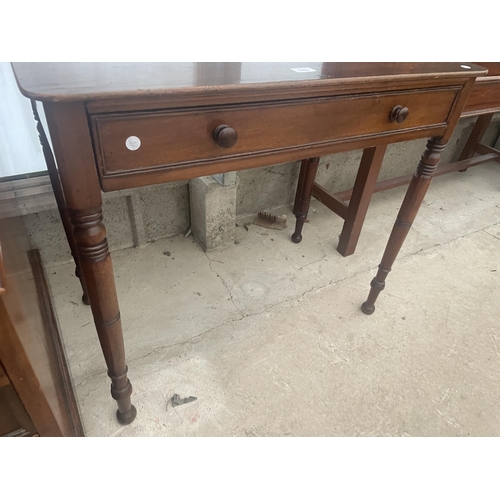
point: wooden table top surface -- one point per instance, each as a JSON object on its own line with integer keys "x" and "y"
{"x": 85, "y": 81}
{"x": 492, "y": 67}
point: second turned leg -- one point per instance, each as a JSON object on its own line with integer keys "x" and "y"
{"x": 480, "y": 127}
{"x": 308, "y": 170}
{"x": 68, "y": 229}
{"x": 59, "y": 196}
{"x": 407, "y": 213}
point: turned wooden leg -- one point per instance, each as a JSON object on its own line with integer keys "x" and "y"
{"x": 95, "y": 261}
{"x": 480, "y": 127}
{"x": 69, "y": 130}
{"x": 59, "y": 196}
{"x": 366, "y": 179}
{"x": 407, "y": 213}
{"x": 79, "y": 275}
{"x": 300, "y": 186}
{"x": 308, "y": 171}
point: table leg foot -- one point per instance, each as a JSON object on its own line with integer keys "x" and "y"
{"x": 376, "y": 286}
{"x": 121, "y": 389}
{"x": 368, "y": 308}
{"x": 126, "y": 418}
{"x": 85, "y": 296}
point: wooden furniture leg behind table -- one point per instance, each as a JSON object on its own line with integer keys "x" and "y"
{"x": 353, "y": 212}
{"x": 59, "y": 196}
{"x": 308, "y": 170}
{"x": 82, "y": 192}
{"x": 358, "y": 198}
{"x": 475, "y": 137}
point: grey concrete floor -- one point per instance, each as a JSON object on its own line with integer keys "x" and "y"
{"x": 268, "y": 335}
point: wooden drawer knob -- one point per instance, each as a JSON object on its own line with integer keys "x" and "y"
{"x": 225, "y": 136}
{"x": 399, "y": 114}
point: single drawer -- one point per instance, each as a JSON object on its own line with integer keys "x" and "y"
{"x": 138, "y": 141}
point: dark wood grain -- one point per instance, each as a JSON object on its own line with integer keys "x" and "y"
{"x": 330, "y": 201}
{"x": 59, "y": 196}
{"x": 368, "y": 171}
{"x": 95, "y": 81}
{"x": 184, "y": 138}
{"x": 457, "y": 110}
{"x": 484, "y": 150}
{"x": 492, "y": 67}
{"x": 72, "y": 145}
{"x": 149, "y": 176}
{"x": 239, "y": 94}
{"x": 484, "y": 97}
{"x": 353, "y": 213}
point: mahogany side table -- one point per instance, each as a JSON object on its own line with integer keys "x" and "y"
{"x": 121, "y": 125}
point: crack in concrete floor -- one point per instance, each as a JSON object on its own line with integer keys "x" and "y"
{"x": 286, "y": 302}
{"x": 223, "y": 281}
{"x": 260, "y": 312}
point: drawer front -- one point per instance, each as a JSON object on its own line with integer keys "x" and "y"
{"x": 138, "y": 141}
{"x": 484, "y": 97}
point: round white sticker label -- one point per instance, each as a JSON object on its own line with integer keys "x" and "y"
{"x": 133, "y": 143}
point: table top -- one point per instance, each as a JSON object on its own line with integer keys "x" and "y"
{"x": 492, "y": 67}
{"x": 85, "y": 81}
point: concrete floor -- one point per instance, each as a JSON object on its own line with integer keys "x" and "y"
{"x": 268, "y": 335}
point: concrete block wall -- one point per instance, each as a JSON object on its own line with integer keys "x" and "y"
{"x": 138, "y": 216}
{"x": 133, "y": 217}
